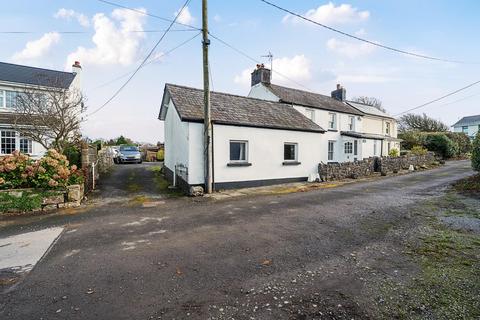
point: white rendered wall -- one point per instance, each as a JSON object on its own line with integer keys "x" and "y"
{"x": 196, "y": 171}
{"x": 265, "y": 153}
{"x": 176, "y": 139}
{"x": 259, "y": 91}
{"x": 472, "y": 130}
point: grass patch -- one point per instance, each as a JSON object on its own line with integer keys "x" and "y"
{"x": 28, "y": 201}
{"x": 448, "y": 284}
{"x": 469, "y": 185}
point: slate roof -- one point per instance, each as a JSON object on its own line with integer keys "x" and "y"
{"x": 372, "y": 136}
{"x": 311, "y": 99}
{"x": 468, "y": 121}
{"x": 369, "y": 109}
{"x": 238, "y": 110}
{"x": 35, "y": 76}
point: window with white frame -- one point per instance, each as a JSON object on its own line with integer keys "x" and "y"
{"x": 332, "y": 121}
{"x": 348, "y": 148}
{"x": 290, "y": 151}
{"x": 465, "y": 129}
{"x": 2, "y": 99}
{"x": 25, "y": 145}
{"x": 351, "y": 123}
{"x": 310, "y": 114}
{"x": 387, "y": 128}
{"x": 8, "y": 142}
{"x": 375, "y": 147}
{"x": 238, "y": 151}
{"x": 10, "y": 99}
{"x": 355, "y": 148}
{"x": 331, "y": 149}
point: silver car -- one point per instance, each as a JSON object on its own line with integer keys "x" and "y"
{"x": 129, "y": 154}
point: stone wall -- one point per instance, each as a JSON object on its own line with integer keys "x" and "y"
{"x": 367, "y": 167}
{"x": 14, "y": 200}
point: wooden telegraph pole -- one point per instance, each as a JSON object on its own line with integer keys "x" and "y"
{"x": 207, "y": 124}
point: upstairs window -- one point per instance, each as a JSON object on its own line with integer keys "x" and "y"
{"x": 290, "y": 152}
{"x": 348, "y": 148}
{"x": 465, "y": 129}
{"x": 332, "y": 121}
{"x": 10, "y": 99}
{"x": 8, "y": 141}
{"x": 2, "y": 99}
{"x": 387, "y": 128}
{"x": 351, "y": 123}
{"x": 310, "y": 114}
{"x": 238, "y": 151}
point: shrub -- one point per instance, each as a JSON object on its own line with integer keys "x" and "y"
{"x": 160, "y": 155}
{"x": 50, "y": 172}
{"x": 74, "y": 155}
{"x": 411, "y": 139}
{"x": 476, "y": 153}
{"x": 393, "y": 153}
{"x": 462, "y": 140}
{"x": 419, "y": 151}
{"x": 441, "y": 145}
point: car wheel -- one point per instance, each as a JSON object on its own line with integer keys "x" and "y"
{"x": 139, "y": 162}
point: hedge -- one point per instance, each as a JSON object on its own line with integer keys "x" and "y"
{"x": 476, "y": 153}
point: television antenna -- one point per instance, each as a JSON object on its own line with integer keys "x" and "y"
{"x": 270, "y": 59}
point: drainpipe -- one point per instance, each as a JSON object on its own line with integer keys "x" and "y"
{"x": 93, "y": 174}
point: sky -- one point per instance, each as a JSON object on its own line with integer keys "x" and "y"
{"x": 110, "y": 46}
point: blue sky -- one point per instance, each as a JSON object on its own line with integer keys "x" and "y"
{"x": 312, "y": 56}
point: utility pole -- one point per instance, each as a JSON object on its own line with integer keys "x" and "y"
{"x": 207, "y": 123}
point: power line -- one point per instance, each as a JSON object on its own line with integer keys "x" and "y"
{"x": 149, "y": 14}
{"x": 89, "y": 32}
{"x": 362, "y": 39}
{"x": 255, "y": 60}
{"x": 149, "y": 62}
{"x": 144, "y": 60}
{"x": 438, "y": 99}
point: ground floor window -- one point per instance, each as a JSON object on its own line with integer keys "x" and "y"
{"x": 348, "y": 147}
{"x": 355, "y": 147}
{"x": 331, "y": 149}
{"x": 25, "y": 145}
{"x": 290, "y": 151}
{"x": 375, "y": 147}
{"x": 238, "y": 151}
{"x": 8, "y": 141}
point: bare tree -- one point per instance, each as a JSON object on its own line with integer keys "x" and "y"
{"x": 49, "y": 115}
{"x": 423, "y": 123}
{"x": 370, "y": 101}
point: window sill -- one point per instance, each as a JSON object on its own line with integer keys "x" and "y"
{"x": 291, "y": 163}
{"x": 239, "y": 164}
{"x": 333, "y": 130}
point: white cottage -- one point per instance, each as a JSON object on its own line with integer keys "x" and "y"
{"x": 469, "y": 125}
{"x": 255, "y": 142}
{"x": 15, "y": 79}
{"x": 354, "y": 131}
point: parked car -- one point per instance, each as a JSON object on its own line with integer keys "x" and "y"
{"x": 128, "y": 154}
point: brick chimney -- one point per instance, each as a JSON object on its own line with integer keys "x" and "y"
{"x": 261, "y": 75}
{"x": 340, "y": 94}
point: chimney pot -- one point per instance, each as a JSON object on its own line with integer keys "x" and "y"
{"x": 339, "y": 86}
{"x": 261, "y": 75}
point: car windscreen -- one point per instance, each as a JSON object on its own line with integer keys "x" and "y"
{"x": 128, "y": 149}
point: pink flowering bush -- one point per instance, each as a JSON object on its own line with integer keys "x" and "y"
{"x": 50, "y": 172}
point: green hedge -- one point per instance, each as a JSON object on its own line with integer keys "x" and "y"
{"x": 444, "y": 144}
{"x": 476, "y": 153}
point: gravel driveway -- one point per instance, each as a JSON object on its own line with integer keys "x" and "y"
{"x": 312, "y": 255}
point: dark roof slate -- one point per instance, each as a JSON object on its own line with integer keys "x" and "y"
{"x": 468, "y": 121}
{"x": 311, "y": 99}
{"x": 238, "y": 110}
{"x": 35, "y": 76}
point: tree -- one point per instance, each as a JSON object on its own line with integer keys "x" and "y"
{"x": 476, "y": 153}
{"x": 423, "y": 123}
{"x": 122, "y": 140}
{"x": 49, "y": 115}
{"x": 370, "y": 101}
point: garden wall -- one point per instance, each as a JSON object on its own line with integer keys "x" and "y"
{"x": 367, "y": 167}
{"x": 24, "y": 200}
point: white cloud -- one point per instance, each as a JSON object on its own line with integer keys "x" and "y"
{"x": 217, "y": 18}
{"x": 331, "y": 15}
{"x": 296, "y": 68}
{"x": 185, "y": 16}
{"x": 37, "y": 48}
{"x": 69, "y": 14}
{"x": 350, "y": 49}
{"x": 115, "y": 43}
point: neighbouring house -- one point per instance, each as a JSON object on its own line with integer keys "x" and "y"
{"x": 469, "y": 125}
{"x": 276, "y": 134}
{"x": 255, "y": 142}
{"x": 17, "y": 78}
{"x": 354, "y": 131}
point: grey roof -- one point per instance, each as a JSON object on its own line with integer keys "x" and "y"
{"x": 237, "y": 110}
{"x": 372, "y": 136}
{"x": 35, "y": 76}
{"x": 311, "y": 99}
{"x": 468, "y": 121}
{"x": 367, "y": 109}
